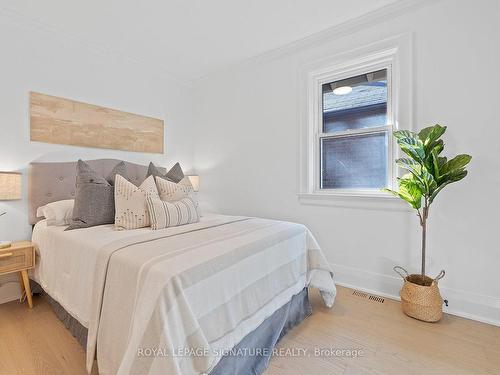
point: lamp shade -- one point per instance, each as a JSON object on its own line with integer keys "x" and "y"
{"x": 10, "y": 186}
{"x": 195, "y": 181}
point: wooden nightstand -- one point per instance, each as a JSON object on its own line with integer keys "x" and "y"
{"x": 19, "y": 257}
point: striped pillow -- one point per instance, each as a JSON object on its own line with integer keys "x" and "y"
{"x": 171, "y": 214}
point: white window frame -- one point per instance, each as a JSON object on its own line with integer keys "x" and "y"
{"x": 384, "y": 55}
{"x": 317, "y": 82}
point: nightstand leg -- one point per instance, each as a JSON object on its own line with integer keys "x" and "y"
{"x": 21, "y": 283}
{"x": 26, "y": 282}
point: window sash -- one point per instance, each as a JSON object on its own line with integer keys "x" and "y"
{"x": 354, "y": 132}
{"x": 388, "y": 127}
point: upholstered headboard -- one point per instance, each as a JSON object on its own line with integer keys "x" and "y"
{"x": 50, "y": 182}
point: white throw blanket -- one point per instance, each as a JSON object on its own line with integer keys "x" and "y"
{"x": 171, "y": 302}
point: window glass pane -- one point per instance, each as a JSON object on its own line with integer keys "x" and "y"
{"x": 355, "y": 103}
{"x": 354, "y": 162}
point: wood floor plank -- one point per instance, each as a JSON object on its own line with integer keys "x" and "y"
{"x": 34, "y": 342}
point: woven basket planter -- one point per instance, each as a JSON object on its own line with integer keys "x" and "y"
{"x": 420, "y": 297}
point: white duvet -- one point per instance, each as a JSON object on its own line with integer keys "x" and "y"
{"x": 198, "y": 287}
{"x": 66, "y": 263}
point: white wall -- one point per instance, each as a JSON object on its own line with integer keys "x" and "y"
{"x": 38, "y": 59}
{"x": 247, "y": 153}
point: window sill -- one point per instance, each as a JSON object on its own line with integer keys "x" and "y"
{"x": 355, "y": 199}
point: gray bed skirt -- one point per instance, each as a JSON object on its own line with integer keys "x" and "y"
{"x": 264, "y": 338}
{"x": 77, "y": 330}
{"x": 253, "y": 353}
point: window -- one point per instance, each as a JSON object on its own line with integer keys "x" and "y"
{"x": 354, "y": 132}
{"x": 351, "y": 104}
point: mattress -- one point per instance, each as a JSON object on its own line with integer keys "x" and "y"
{"x": 205, "y": 285}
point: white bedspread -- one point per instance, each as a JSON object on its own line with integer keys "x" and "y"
{"x": 200, "y": 287}
{"x": 66, "y": 263}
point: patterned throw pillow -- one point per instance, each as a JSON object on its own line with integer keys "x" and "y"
{"x": 130, "y": 203}
{"x": 171, "y": 192}
{"x": 171, "y": 214}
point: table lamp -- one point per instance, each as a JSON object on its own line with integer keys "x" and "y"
{"x": 10, "y": 189}
{"x": 195, "y": 181}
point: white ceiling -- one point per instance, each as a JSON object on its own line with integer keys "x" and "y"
{"x": 190, "y": 38}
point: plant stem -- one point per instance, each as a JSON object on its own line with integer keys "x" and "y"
{"x": 424, "y": 235}
{"x": 423, "y": 223}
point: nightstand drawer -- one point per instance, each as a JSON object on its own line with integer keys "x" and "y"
{"x": 16, "y": 259}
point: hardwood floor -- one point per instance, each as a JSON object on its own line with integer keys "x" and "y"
{"x": 36, "y": 342}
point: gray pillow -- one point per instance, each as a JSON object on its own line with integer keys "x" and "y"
{"x": 175, "y": 174}
{"x": 95, "y": 197}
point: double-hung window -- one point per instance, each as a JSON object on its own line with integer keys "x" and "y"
{"x": 352, "y": 109}
{"x": 354, "y": 131}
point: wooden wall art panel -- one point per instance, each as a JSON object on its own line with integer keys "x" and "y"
{"x": 68, "y": 122}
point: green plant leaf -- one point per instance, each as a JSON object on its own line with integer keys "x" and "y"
{"x": 454, "y": 177}
{"x": 410, "y": 191}
{"x": 424, "y": 133}
{"x": 408, "y": 199}
{"x": 413, "y": 147}
{"x": 431, "y": 133}
{"x": 404, "y": 134}
{"x": 429, "y": 181}
{"x": 436, "y": 192}
{"x": 438, "y": 146}
{"x": 414, "y": 167}
{"x": 457, "y": 175}
{"x": 451, "y": 178}
{"x": 457, "y": 162}
{"x": 409, "y": 164}
{"x": 432, "y": 141}
{"x": 431, "y": 153}
{"x": 435, "y": 164}
{"x": 393, "y": 192}
{"x": 429, "y": 173}
{"x": 441, "y": 161}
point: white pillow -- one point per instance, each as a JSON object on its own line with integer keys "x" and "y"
{"x": 172, "y": 192}
{"x": 57, "y": 213}
{"x": 171, "y": 214}
{"x": 131, "y": 209}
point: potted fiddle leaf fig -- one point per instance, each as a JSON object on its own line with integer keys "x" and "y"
{"x": 427, "y": 174}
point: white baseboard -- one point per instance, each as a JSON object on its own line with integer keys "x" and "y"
{"x": 485, "y": 309}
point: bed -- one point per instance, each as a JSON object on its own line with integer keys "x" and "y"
{"x": 213, "y": 297}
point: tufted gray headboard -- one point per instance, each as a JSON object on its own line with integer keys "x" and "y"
{"x": 50, "y": 182}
